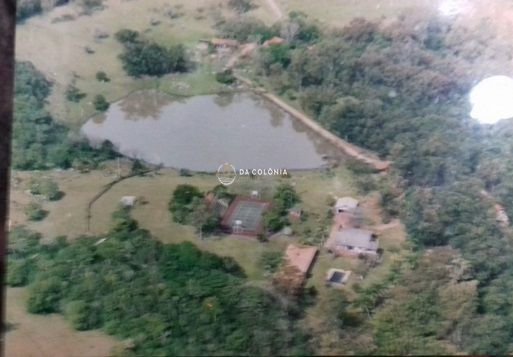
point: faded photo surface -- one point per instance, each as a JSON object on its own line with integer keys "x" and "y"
{"x": 260, "y": 177}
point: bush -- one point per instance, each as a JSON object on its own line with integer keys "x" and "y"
{"x": 17, "y": 272}
{"x": 182, "y": 201}
{"x": 102, "y": 76}
{"x": 88, "y": 6}
{"x": 225, "y": 77}
{"x": 285, "y": 197}
{"x": 242, "y": 5}
{"x": 81, "y": 315}
{"x": 271, "y": 261}
{"x": 28, "y": 8}
{"x": 35, "y": 212}
{"x": 138, "y": 168}
{"x": 73, "y": 94}
{"x": 23, "y": 242}
{"x": 126, "y": 36}
{"x": 243, "y": 29}
{"x": 44, "y": 296}
{"x": 45, "y": 187}
{"x": 274, "y": 220}
{"x": 185, "y": 173}
{"x": 100, "y": 103}
{"x": 360, "y": 168}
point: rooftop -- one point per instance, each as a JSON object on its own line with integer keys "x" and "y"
{"x": 354, "y": 237}
{"x": 346, "y": 203}
{"x": 300, "y": 257}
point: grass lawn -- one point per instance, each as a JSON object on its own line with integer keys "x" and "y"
{"x": 340, "y": 12}
{"x": 48, "y": 335}
{"x": 58, "y": 49}
{"x": 154, "y": 216}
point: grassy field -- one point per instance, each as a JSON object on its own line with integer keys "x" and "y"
{"x": 48, "y": 335}
{"x": 67, "y": 216}
{"x": 314, "y": 187}
{"x": 58, "y": 49}
{"x": 340, "y": 12}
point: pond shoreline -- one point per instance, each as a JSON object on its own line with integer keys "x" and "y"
{"x": 348, "y": 148}
{"x": 185, "y": 132}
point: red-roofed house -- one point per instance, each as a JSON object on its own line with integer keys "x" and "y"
{"x": 300, "y": 257}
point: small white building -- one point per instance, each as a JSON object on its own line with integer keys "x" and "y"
{"x": 346, "y": 204}
{"x": 128, "y": 201}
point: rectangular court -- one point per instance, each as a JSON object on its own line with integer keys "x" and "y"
{"x": 244, "y": 216}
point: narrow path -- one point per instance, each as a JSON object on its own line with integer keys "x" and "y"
{"x": 348, "y": 148}
{"x": 245, "y": 51}
{"x": 275, "y": 9}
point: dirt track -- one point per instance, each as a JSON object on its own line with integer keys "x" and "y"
{"x": 348, "y": 148}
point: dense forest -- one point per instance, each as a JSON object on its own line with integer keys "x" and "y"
{"x": 401, "y": 88}
{"x": 160, "y": 299}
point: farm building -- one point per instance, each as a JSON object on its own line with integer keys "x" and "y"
{"x": 292, "y": 275}
{"x": 300, "y": 257}
{"x": 346, "y": 204}
{"x": 352, "y": 241}
{"x": 244, "y": 216}
{"x": 128, "y": 201}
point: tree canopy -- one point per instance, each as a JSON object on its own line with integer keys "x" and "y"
{"x": 167, "y": 299}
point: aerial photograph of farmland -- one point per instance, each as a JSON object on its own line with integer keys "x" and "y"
{"x": 262, "y": 178}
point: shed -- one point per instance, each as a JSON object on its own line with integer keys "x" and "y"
{"x": 128, "y": 201}
{"x": 300, "y": 257}
{"x": 346, "y": 204}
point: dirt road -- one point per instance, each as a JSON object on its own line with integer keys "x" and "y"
{"x": 348, "y": 148}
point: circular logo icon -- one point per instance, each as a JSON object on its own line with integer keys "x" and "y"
{"x": 226, "y": 174}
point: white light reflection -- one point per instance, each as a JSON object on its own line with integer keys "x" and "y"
{"x": 492, "y": 99}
